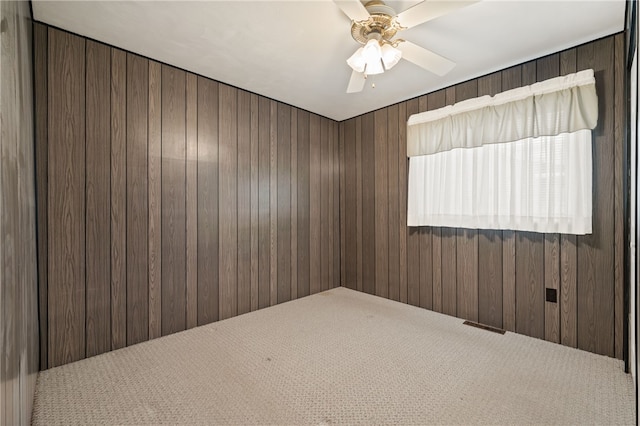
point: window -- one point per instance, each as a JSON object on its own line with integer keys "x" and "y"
{"x": 519, "y": 160}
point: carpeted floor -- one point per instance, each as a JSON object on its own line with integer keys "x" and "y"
{"x": 338, "y": 357}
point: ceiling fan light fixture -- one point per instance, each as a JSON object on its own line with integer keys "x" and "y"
{"x": 390, "y": 56}
{"x": 357, "y": 61}
{"x": 372, "y": 51}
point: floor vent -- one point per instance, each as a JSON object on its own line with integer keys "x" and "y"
{"x": 485, "y": 327}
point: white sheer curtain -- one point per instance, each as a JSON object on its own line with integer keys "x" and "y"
{"x": 539, "y": 182}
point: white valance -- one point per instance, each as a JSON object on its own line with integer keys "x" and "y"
{"x": 559, "y": 105}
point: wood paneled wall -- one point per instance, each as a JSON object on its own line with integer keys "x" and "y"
{"x": 493, "y": 277}
{"x": 18, "y": 263}
{"x": 171, "y": 200}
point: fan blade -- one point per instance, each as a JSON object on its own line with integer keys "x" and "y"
{"x": 353, "y": 9}
{"x": 356, "y": 82}
{"x": 425, "y": 58}
{"x": 428, "y": 10}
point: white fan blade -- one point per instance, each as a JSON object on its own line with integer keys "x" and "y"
{"x": 425, "y": 58}
{"x": 356, "y": 82}
{"x": 353, "y": 9}
{"x": 428, "y": 10}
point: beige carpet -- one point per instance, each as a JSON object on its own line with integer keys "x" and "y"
{"x": 338, "y": 357}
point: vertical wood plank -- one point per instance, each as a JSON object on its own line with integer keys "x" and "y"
{"x": 368, "y": 154}
{"x": 98, "y": 237}
{"x": 284, "y": 203}
{"x": 173, "y": 200}
{"x": 244, "y": 202}
{"x": 294, "y": 203}
{"x": 402, "y": 200}
{"x": 426, "y": 268}
{"x": 359, "y": 205}
{"x": 255, "y": 110}
{"x": 40, "y": 57}
{"x": 228, "y": 192}
{"x": 381, "y": 203}
{"x": 348, "y": 207}
{"x": 596, "y": 273}
{"x": 315, "y": 279}
{"x": 530, "y": 284}
{"x": 546, "y": 68}
{"x": 118, "y": 199}
{"x": 192, "y": 199}
{"x": 568, "y": 253}
{"x": 66, "y": 286}
{"x": 273, "y": 202}
{"x": 602, "y": 240}
{"x": 344, "y": 260}
{"x": 413, "y": 241}
{"x": 324, "y": 205}
{"x": 264, "y": 232}
{"x": 467, "y": 242}
{"x": 393, "y": 200}
{"x": 511, "y": 78}
{"x": 155, "y": 191}
{"x": 137, "y": 200}
{"x": 619, "y": 191}
{"x": 530, "y": 263}
{"x": 335, "y": 179}
{"x": 207, "y": 187}
{"x": 304, "y": 191}
{"x": 490, "y": 244}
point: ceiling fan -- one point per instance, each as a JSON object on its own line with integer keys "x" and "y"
{"x": 374, "y": 25}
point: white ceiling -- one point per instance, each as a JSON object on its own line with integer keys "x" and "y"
{"x": 295, "y": 51}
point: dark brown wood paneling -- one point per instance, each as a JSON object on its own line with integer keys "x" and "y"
{"x": 244, "y": 202}
{"x": 434, "y": 101}
{"x": 41, "y": 48}
{"x": 19, "y": 198}
{"x": 66, "y": 131}
{"x": 273, "y": 202}
{"x": 98, "y": 187}
{"x": 228, "y": 216}
{"x": 118, "y": 199}
{"x": 284, "y": 203}
{"x": 335, "y": 206}
{"x": 393, "y": 202}
{"x": 490, "y": 244}
{"x": 467, "y": 243}
{"x": 402, "y": 198}
{"x": 413, "y": 240}
{"x": 324, "y": 205}
{"x": 350, "y": 211}
{"x": 264, "y": 232}
{"x": 315, "y": 271}
{"x": 620, "y": 171}
{"x": 208, "y": 309}
{"x": 546, "y": 68}
{"x": 511, "y": 79}
{"x": 293, "y": 226}
{"x": 187, "y": 237}
{"x": 155, "y": 191}
{"x": 304, "y": 194}
{"x": 173, "y": 200}
{"x": 368, "y": 165}
{"x": 381, "y": 184}
{"x": 359, "y": 203}
{"x": 596, "y": 290}
{"x": 255, "y": 110}
{"x": 137, "y": 200}
{"x": 192, "y": 199}
{"x": 501, "y": 276}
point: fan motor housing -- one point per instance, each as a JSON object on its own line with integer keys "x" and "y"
{"x": 381, "y": 24}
